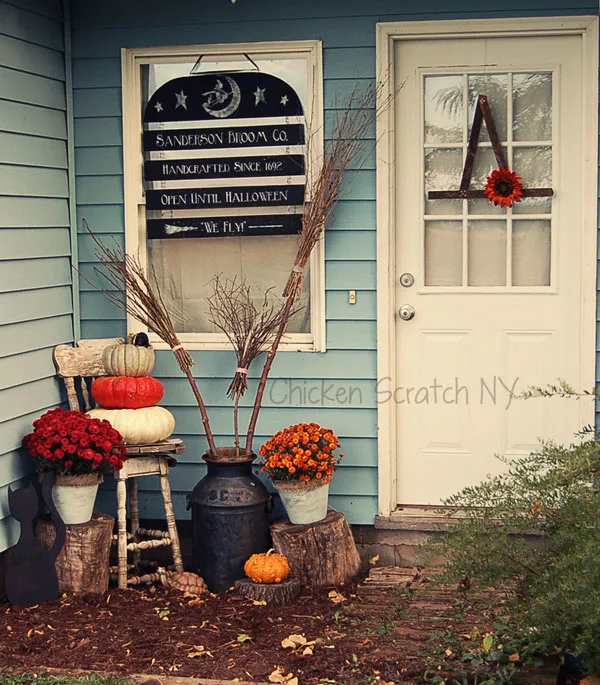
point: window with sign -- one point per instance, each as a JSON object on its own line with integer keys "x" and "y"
{"x": 218, "y": 144}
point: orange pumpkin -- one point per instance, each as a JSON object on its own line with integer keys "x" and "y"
{"x": 127, "y": 392}
{"x": 267, "y": 568}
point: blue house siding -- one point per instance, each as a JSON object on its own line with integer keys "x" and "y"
{"x": 347, "y": 30}
{"x": 35, "y": 279}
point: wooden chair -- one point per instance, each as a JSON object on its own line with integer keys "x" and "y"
{"x": 78, "y": 366}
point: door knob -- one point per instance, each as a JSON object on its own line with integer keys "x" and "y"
{"x": 407, "y": 312}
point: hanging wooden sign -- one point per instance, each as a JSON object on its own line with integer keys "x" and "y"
{"x": 224, "y": 155}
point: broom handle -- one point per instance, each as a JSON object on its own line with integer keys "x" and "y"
{"x": 262, "y": 384}
{"x": 205, "y": 420}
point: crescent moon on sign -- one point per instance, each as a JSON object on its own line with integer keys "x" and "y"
{"x": 219, "y": 96}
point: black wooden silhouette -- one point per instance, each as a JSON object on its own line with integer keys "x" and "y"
{"x": 30, "y": 575}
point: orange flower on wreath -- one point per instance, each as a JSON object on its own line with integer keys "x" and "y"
{"x": 503, "y": 187}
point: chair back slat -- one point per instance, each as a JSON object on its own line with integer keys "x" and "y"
{"x": 83, "y": 360}
{"x": 77, "y": 365}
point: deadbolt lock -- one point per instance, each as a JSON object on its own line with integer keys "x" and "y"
{"x": 407, "y": 280}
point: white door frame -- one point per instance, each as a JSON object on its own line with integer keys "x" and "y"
{"x": 387, "y": 35}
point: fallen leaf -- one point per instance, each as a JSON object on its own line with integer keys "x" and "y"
{"x": 199, "y": 650}
{"x": 242, "y": 637}
{"x": 374, "y": 560}
{"x": 294, "y": 641}
{"x": 307, "y": 651}
{"x": 514, "y": 657}
{"x": 448, "y": 652}
{"x": 278, "y": 676}
{"x": 336, "y": 597}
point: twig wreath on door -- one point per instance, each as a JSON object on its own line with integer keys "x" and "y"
{"x": 503, "y": 187}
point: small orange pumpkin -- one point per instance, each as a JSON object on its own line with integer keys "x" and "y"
{"x": 267, "y": 568}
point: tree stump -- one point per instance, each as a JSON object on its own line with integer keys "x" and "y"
{"x": 321, "y": 553}
{"x": 271, "y": 593}
{"x": 82, "y": 565}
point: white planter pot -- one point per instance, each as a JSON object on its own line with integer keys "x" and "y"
{"x": 75, "y": 501}
{"x": 304, "y": 502}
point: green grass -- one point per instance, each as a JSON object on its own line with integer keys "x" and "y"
{"x": 9, "y": 678}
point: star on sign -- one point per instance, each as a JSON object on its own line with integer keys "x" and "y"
{"x": 158, "y": 107}
{"x": 181, "y": 98}
{"x": 259, "y": 95}
{"x": 284, "y": 100}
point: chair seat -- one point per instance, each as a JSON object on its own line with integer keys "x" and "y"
{"x": 166, "y": 448}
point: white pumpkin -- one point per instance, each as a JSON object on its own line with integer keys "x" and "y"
{"x": 126, "y": 359}
{"x": 138, "y": 426}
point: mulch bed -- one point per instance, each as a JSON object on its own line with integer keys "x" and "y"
{"x": 361, "y": 633}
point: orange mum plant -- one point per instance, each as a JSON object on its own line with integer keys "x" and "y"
{"x": 304, "y": 452}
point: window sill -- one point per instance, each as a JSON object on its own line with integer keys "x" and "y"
{"x": 217, "y": 345}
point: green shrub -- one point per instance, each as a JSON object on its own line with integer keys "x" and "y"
{"x": 535, "y": 532}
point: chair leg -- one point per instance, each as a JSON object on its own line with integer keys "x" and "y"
{"x": 171, "y": 526}
{"x": 134, "y": 511}
{"x": 122, "y": 532}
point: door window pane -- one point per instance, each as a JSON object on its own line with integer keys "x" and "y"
{"x": 531, "y": 253}
{"x": 443, "y": 109}
{"x": 495, "y": 87}
{"x": 443, "y": 253}
{"x": 443, "y": 170}
{"x": 487, "y": 253}
{"x": 485, "y": 162}
{"x": 532, "y": 106}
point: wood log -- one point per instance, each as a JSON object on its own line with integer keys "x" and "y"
{"x": 82, "y": 565}
{"x": 321, "y": 553}
{"x": 271, "y": 593}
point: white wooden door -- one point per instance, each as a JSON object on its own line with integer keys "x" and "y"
{"x": 497, "y": 292}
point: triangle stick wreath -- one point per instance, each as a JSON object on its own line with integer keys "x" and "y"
{"x": 482, "y": 113}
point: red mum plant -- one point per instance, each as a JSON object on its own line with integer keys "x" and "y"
{"x": 503, "y": 187}
{"x": 302, "y": 452}
{"x": 72, "y": 443}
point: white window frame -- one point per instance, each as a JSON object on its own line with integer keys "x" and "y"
{"x": 132, "y": 60}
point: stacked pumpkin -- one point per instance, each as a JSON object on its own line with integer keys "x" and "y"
{"x": 127, "y": 396}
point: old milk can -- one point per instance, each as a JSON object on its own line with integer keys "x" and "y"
{"x": 230, "y": 519}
